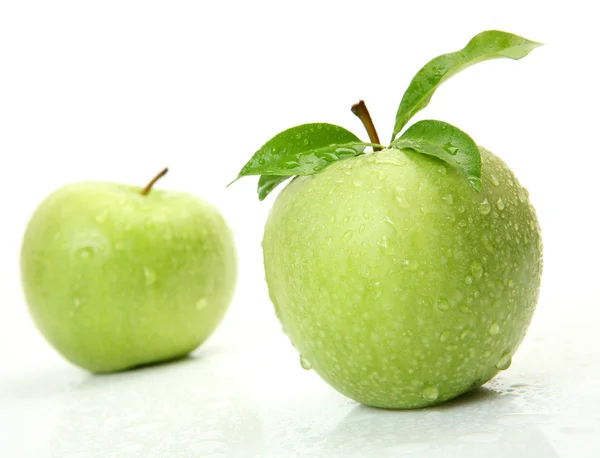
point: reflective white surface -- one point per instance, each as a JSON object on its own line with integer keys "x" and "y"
{"x": 254, "y": 400}
{"x": 117, "y": 90}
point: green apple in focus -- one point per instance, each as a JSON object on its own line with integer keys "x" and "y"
{"x": 117, "y": 277}
{"x": 407, "y": 275}
{"x": 415, "y": 288}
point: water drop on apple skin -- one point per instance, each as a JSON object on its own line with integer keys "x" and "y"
{"x": 101, "y": 217}
{"x": 504, "y": 362}
{"x": 201, "y": 304}
{"x": 150, "y": 276}
{"x": 85, "y": 252}
{"x": 476, "y": 269}
{"x": 443, "y": 305}
{"x": 500, "y": 204}
{"x": 494, "y": 329}
{"x": 305, "y": 363}
{"x": 485, "y": 207}
{"x": 430, "y": 393}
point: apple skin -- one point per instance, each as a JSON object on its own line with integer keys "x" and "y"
{"x": 400, "y": 284}
{"x": 114, "y": 279}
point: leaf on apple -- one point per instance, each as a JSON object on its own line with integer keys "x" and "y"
{"x": 309, "y": 148}
{"x": 446, "y": 142}
{"x": 492, "y": 44}
{"x": 266, "y": 183}
{"x": 301, "y": 150}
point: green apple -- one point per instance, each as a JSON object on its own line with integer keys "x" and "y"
{"x": 116, "y": 278}
{"x": 406, "y": 276}
{"x": 412, "y": 290}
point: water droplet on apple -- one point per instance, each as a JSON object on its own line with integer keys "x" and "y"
{"x": 150, "y": 276}
{"x": 485, "y": 207}
{"x": 443, "y": 305}
{"x": 504, "y": 362}
{"x": 500, "y": 204}
{"x": 468, "y": 280}
{"x": 430, "y": 392}
{"x": 461, "y": 209}
{"x": 462, "y": 223}
{"x": 476, "y": 269}
{"x": 347, "y": 235}
{"x": 85, "y": 252}
{"x": 202, "y": 303}
{"x": 380, "y": 175}
{"x": 384, "y": 245}
{"x": 494, "y": 180}
{"x": 305, "y": 363}
{"x": 444, "y": 336}
{"x": 101, "y": 217}
{"x": 522, "y": 196}
{"x": 511, "y": 283}
{"x": 448, "y": 199}
{"x": 77, "y": 302}
{"x": 494, "y": 329}
{"x": 358, "y": 183}
{"x": 305, "y": 141}
{"x": 464, "y": 308}
{"x": 487, "y": 243}
{"x": 401, "y": 197}
{"x": 465, "y": 335}
{"x": 387, "y": 220}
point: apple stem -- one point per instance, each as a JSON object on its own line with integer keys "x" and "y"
{"x": 361, "y": 111}
{"x": 147, "y": 189}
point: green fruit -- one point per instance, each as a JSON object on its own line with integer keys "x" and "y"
{"x": 398, "y": 282}
{"x": 115, "y": 279}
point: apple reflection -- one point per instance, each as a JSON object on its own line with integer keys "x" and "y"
{"x": 186, "y": 408}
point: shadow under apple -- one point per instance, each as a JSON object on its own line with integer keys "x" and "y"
{"x": 190, "y": 407}
{"x": 482, "y": 422}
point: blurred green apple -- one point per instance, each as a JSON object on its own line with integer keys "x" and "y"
{"x": 116, "y": 278}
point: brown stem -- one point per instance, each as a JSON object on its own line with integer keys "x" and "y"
{"x": 361, "y": 111}
{"x": 147, "y": 189}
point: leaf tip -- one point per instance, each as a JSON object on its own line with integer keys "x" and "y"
{"x": 236, "y": 178}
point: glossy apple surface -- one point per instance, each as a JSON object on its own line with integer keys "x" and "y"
{"x": 115, "y": 279}
{"x": 399, "y": 283}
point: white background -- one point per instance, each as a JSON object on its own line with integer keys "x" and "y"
{"x": 115, "y": 91}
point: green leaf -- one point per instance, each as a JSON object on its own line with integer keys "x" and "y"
{"x": 267, "y": 183}
{"x": 492, "y": 44}
{"x": 446, "y": 142}
{"x": 304, "y": 150}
